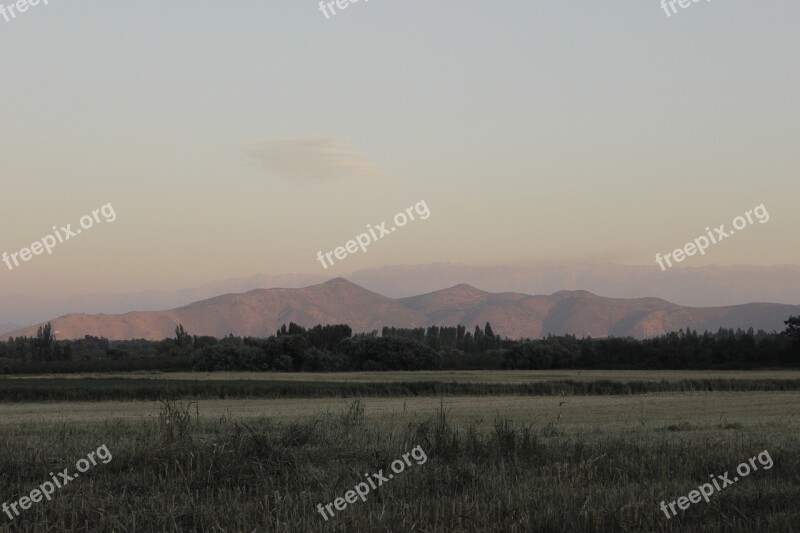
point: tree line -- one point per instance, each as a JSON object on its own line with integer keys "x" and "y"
{"x": 337, "y": 348}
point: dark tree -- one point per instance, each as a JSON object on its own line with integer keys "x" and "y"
{"x": 182, "y": 339}
{"x": 43, "y": 345}
{"x": 792, "y": 327}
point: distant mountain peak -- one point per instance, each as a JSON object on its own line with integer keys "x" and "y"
{"x": 576, "y": 293}
{"x": 338, "y": 281}
{"x": 339, "y": 301}
{"x": 465, "y": 289}
{"x": 457, "y": 294}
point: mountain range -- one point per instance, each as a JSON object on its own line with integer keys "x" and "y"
{"x": 712, "y": 285}
{"x": 516, "y": 315}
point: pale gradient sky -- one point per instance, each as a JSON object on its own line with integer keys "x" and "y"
{"x": 535, "y": 131}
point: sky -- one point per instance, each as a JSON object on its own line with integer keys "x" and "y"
{"x": 241, "y": 138}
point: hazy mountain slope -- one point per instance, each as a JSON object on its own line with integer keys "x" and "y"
{"x": 255, "y": 313}
{"x": 712, "y": 285}
{"x": 262, "y": 312}
{"x": 693, "y": 286}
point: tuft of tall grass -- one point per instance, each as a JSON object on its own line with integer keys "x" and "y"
{"x": 177, "y": 472}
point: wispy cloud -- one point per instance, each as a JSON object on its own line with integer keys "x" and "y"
{"x": 313, "y": 158}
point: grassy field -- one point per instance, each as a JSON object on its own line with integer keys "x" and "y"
{"x": 133, "y": 388}
{"x": 444, "y": 376}
{"x": 495, "y": 462}
{"x": 174, "y": 473}
{"x": 700, "y": 409}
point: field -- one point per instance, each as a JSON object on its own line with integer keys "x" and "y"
{"x": 458, "y": 376}
{"x": 138, "y": 387}
{"x": 574, "y": 459}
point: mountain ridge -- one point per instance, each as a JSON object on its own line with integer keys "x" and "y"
{"x": 711, "y": 285}
{"x": 261, "y": 312}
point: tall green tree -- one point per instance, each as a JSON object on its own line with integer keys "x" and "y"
{"x": 793, "y": 332}
{"x": 792, "y": 327}
{"x": 43, "y": 345}
{"x": 182, "y": 338}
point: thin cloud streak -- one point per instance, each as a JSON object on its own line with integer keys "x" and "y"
{"x": 314, "y": 158}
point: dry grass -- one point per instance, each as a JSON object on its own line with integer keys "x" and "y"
{"x": 176, "y": 473}
{"x": 579, "y": 411}
{"x": 496, "y": 462}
